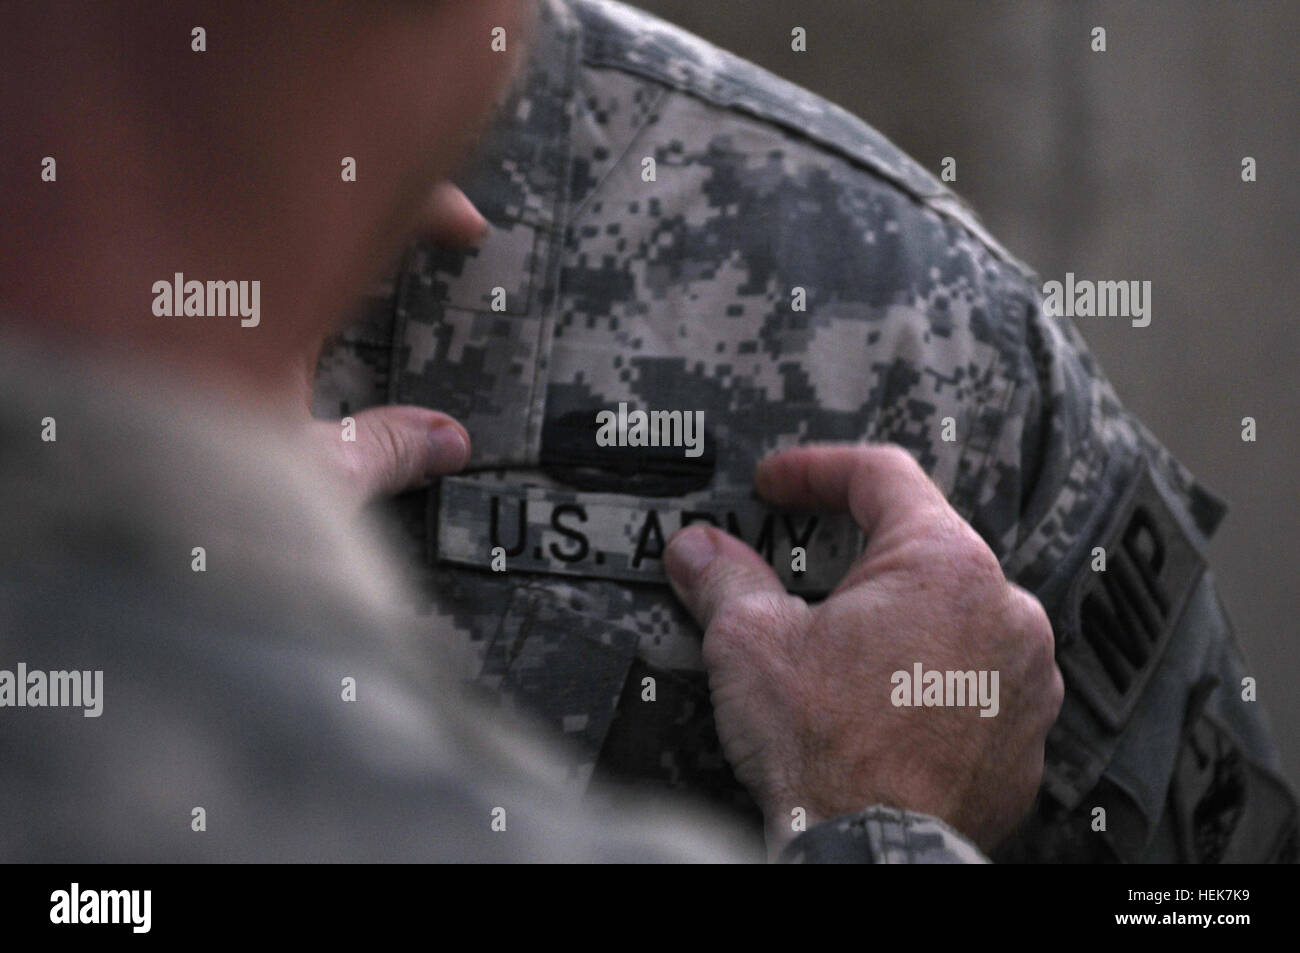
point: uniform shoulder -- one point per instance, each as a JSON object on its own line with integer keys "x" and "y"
{"x": 614, "y": 35}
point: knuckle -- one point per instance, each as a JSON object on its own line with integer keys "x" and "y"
{"x": 748, "y": 612}
{"x": 395, "y": 449}
{"x": 891, "y": 459}
{"x": 1056, "y": 694}
{"x": 894, "y": 455}
{"x": 755, "y": 624}
{"x": 972, "y": 559}
{"x": 1035, "y": 622}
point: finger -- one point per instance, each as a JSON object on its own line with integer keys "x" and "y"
{"x": 709, "y": 569}
{"x": 450, "y": 218}
{"x": 397, "y": 449}
{"x": 880, "y": 484}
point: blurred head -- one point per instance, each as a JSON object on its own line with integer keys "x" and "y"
{"x": 226, "y": 164}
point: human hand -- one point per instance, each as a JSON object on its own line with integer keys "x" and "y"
{"x": 802, "y": 694}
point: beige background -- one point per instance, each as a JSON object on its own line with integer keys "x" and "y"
{"x": 1117, "y": 165}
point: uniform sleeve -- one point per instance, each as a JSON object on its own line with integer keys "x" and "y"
{"x": 882, "y": 835}
{"x": 1161, "y": 752}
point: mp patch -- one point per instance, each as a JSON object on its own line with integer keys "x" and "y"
{"x": 1125, "y": 603}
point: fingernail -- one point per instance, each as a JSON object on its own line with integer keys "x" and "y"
{"x": 448, "y": 449}
{"x": 689, "y": 553}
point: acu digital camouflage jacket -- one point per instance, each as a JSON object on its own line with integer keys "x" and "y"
{"x": 676, "y": 229}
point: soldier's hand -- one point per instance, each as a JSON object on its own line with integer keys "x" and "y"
{"x": 396, "y": 448}
{"x": 399, "y": 448}
{"x": 802, "y": 694}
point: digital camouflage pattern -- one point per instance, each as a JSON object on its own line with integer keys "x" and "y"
{"x": 676, "y": 229}
{"x": 886, "y": 835}
{"x": 224, "y": 688}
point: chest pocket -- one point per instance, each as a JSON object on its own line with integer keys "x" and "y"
{"x": 473, "y": 327}
{"x": 566, "y": 667}
{"x": 471, "y": 339}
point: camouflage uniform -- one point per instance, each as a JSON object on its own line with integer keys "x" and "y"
{"x": 224, "y": 689}
{"x": 602, "y": 283}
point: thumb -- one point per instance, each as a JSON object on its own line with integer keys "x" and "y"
{"x": 450, "y": 218}
{"x": 709, "y": 569}
{"x": 396, "y": 449}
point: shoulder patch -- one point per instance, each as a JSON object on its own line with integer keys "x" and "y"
{"x": 1116, "y": 622}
